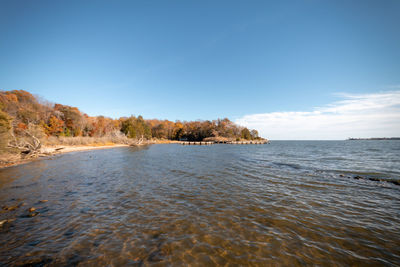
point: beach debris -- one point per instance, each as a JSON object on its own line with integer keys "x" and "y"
{"x": 43, "y": 201}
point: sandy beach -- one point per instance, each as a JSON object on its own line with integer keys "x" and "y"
{"x": 48, "y": 151}
{"x": 66, "y": 149}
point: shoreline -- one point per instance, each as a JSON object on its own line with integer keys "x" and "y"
{"x": 61, "y": 149}
{"x": 49, "y": 151}
{"x": 53, "y": 150}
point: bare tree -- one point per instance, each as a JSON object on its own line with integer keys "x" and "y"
{"x": 29, "y": 145}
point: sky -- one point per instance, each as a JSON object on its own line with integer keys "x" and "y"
{"x": 306, "y": 69}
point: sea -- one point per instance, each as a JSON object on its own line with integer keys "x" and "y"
{"x": 287, "y": 203}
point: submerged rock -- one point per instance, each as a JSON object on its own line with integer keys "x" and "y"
{"x": 40, "y": 261}
{"x": 33, "y": 214}
{"x": 358, "y": 177}
{"x": 32, "y": 209}
{"x": 3, "y": 222}
{"x": 375, "y": 179}
{"x": 10, "y": 208}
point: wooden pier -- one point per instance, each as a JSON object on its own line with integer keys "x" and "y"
{"x": 207, "y": 143}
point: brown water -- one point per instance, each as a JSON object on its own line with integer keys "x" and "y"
{"x": 287, "y": 203}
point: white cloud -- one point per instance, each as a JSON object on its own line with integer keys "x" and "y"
{"x": 364, "y": 115}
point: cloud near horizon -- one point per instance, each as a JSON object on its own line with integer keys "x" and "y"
{"x": 362, "y": 115}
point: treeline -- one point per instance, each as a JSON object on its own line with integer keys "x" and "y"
{"x": 20, "y": 112}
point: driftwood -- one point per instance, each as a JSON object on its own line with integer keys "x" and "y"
{"x": 138, "y": 142}
{"x": 28, "y": 149}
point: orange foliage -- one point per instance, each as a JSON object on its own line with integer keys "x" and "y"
{"x": 12, "y": 97}
{"x": 22, "y": 126}
{"x": 55, "y": 126}
{"x": 61, "y": 120}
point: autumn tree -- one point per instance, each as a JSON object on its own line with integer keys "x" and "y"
{"x": 21, "y": 105}
{"x": 24, "y": 110}
{"x": 73, "y": 119}
{"x": 254, "y": 134}
{"x": 54, "y": 127}
{"x": 246, "y": 134}
{"x": 5, "y": 127}
{"x": 178, "y": 131}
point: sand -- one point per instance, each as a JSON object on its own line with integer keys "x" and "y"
{"x": 48, "y": 151}
{"x": 66, "y": 149}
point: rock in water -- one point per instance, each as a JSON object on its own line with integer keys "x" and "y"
{"x": 33, "y": 214}
{"x": 10, "y": 208}
{"x": 3, "y": 222}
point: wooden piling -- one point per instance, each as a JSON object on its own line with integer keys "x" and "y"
{"x": 203, "y": 143}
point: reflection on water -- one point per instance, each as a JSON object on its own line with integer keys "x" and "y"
{"x": 287, "y": 203}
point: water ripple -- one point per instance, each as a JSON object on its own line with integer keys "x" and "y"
{"x": 288, "y": 203}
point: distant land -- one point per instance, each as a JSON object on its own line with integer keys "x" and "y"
{"x": 375, "y": 138}
{"x": 31, "y": 127}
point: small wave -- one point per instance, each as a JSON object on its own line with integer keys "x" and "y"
{"x": 290, "y": 165}
{"x": 334, "y": 158}
{"x": 373, "y": 150}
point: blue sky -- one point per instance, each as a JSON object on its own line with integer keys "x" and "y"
{"x": 199, "y": 59}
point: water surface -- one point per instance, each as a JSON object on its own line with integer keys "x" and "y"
{"x": 288, "y": 203}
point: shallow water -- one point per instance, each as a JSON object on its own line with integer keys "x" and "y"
{"x": 288, "y": 203}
